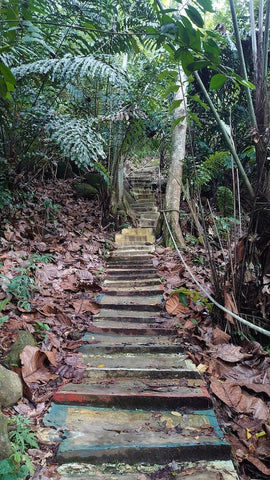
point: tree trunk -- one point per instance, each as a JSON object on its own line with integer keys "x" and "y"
{"x": 173, "y": 188}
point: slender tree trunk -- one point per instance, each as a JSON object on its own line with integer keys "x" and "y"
{"x": 173, "y": 189}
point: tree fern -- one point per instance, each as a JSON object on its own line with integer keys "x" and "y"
{"x": 77, "y": 140}
{"x": 70, "y": 67}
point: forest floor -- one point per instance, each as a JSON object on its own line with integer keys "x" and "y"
{"x": 53, "y": 253}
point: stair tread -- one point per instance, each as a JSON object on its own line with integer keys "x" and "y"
{"x": 189, "y": 471}
{"x": 101, "y": 434}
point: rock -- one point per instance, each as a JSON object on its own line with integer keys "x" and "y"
{"x": 85, "y": 190}
{"x": 95, "y": 180}
{"x": 5, "y": 445}
{"x": 12, "y": 359}
{"x": 10, "y": 387}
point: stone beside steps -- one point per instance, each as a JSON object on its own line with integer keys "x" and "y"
{"x": 142, "y": 403}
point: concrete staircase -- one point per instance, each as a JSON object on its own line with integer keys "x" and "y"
{"x": 142, "y": 405}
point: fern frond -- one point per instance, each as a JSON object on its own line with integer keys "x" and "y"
{"x": 70, "y": 67}
{"x": 77, "y": 140}
{"x": 211, "y": 167}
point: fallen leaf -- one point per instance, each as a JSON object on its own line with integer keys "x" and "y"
{"x": 84, "y": 305}
{"x": 174, "y": 307}
{"x": 220, "y": 337}
{"x": 35, "y": 365}
{"x": 231, "y": 353}
{"x": 230, "y": 304}
{"x": 202, "y": 368}
{"x": 233, "y": 396}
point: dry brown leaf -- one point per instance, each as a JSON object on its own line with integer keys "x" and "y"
{"x": 231, "y": 353}
{"x": 35, "y": 365}
{"x": 230, "y": 304}
{"x": 174, "y": 307}
{"x": 233, "y": 396}
{"x": 220, "y": 337}
{"x": 85, "y": 276}
{"x": 259, "y": 464}
{"x": 84, "y": 305}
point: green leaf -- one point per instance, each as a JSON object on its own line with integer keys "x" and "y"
{"x": 243, "y": 82}
{"x": 151, "y": 31}
{"x": 169, "y": 48}
{"x": 197, "y": 99}
{"x": 197, "y": 65}
{"x": 167, "y": 74}
{"x": 175, "y": 104}
{"x": 135, "y": 45}
{"x": 217, "y": 81}
{"x": 212, "y": 51}
{"x": 177, "y": 121}
{"x": 3, "y": 88}
{"x": 195, "y": 118}
{"x": 3, "y": 303}
{"x": 172, "y": 88}
{"x": 206, "y": 5}
{"x": 183, "y": 299}
{"x": 6, "y": 466}
{"x": 4, "y": 319}
{"x": 7, "y": 74}
{"x": 195, "y": 16}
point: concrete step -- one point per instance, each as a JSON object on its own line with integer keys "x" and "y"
{"x": 109, "y": 343}
{"x": 125, "y": 327}
{"x": 130, "y": 254}
{"x": 123, "y": 269}
{"x": 99, "y": 435}
{"x": 130, "y": 246}
{"x": 125, "y": 313}
{"x": 138, "y": 239}
{"x": 128, "y": 283}
{"x": 134, "y": 303}
{"x": 137, "y": 392}
{"x": 137, "y": 259}
{"x": 133, "y": 291}
{"x": 133, "y": 275}
{"x": 147, "y": 223}
{"x": 211, "y": 470}
{"x": 137, "y": 231}
{"x": 144, "y": 208}
{"x": 146, "y": 365}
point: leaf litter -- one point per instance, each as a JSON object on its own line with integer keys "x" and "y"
{"x": 64, "y": 299}
{"x": 60, "y": 251}
{"x": 237, "y": 375}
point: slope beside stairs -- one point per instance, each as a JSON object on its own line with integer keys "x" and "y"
{"x": 142, "y": 405}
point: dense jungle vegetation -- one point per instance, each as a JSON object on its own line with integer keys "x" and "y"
{"x": 91, "y": 90}
{"x": 94, "y": 86}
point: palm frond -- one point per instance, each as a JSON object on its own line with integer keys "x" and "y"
{"x": 77, "y": 140}
{"x": 69, "y": 67}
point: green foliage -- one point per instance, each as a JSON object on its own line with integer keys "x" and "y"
{"x": 42, "y": 328}
{"x": 22, "y": 286}
{"x": 11, "y": 471}
{"x": 5, "y": 193}
{"x": 223, "y": 225}
{"x": 225, "y": 201}
{"x": 77, "y": 140}
{"x": 21, "y": 437}
{"x": 3, "y": 303}
{"x": 70, "y": 67}
{"x": 184, "y": 294}
{"x": 210, "y": 168}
